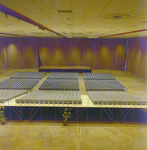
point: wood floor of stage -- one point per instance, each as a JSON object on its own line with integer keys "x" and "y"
{"x": 78, "y": 69}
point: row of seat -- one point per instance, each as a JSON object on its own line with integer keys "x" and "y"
{"x": 28, "y": 75}
{"x": 51, "y": 97}
{"x": 6, "y": 95}
{"x": 18, "y": 84}
{"x": 115, "y": 98}
{"x": 104, "y": 85}
{"x": 63, "y": 75}
{"x": 59, "y": 84}
{"x": 98, "y": 76}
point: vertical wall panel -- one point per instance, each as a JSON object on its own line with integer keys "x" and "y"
{"x": 43, "y": 51}
{"x": 13, "y": 50}
{"x": 119, "y": 57}
{"x": 107, "y": 55}
{"x": 112, "y": 53}
{"x": 25, "y": 60}
{"x": 56, "y": 52}
{"x": 88, "y": 55}
{"x": 136, "y": 57}
{"x": 74, "y": 52}
{"x": 29, "y": 50}
{"x": 96, "y": 45}
{"x": 32, "y": 53}
{"x": 3, "y": 59}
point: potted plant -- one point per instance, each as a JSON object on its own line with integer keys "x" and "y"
{"x": 2, "y": 116}
{"x": 66, "y": 115}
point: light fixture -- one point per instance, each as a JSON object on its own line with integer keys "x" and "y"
{"x": 67, "y": 18}
{"x": 144, "y": 22}
{"x": 6, "y": 15}
{"x": 117, "y": 16}
{"x": 8, "y": 24}
{"x": 69, "y": 25}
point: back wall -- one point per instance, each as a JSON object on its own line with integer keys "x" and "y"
{"x": 96, "y": 53}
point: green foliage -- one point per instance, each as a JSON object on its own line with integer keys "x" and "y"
{"x": 2, "y": 115}
{"x": 66, "y": 114}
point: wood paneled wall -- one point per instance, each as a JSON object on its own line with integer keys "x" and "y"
{"x": 96, "y": 53}
{"x": 18, "y": 53}
{"x": 137, "y": 57}
{"x": 3, "y": 60}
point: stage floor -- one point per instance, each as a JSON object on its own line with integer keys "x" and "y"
{"x": 134, "y": 85}
{"x": 79, "y": 69}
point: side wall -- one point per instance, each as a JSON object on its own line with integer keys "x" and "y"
{"x": 137, "y": 57}
{"x": 96, "y": 53}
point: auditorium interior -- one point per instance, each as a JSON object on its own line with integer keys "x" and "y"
{"x": 84, "y": 58}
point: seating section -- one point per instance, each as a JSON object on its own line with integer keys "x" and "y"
{"x": 6, "y": 95}
{"x": 51, "y": 97}
{"x": 59, "y": 84}
{"x": 115, "y": 98}
{"x": 28, "y": 75}
{"x": 18, "y": 84}
{"x": 62, "y": 75}
{"x": 98, "y": 76}
{"x": 104, "y": 85}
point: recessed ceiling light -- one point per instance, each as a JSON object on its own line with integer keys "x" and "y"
{"x": 64, "y": 11}
{"x": 67, "y": 18}
{"x": 117, "y": 16}
{"x": 8, "y": 24}
{"x": 144, "y": 22}
{"x": 69, "y": 25}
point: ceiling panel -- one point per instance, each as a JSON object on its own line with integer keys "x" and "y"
{"x": 44, "y": 4}
{"x": 9, "y": 4}
{"x": 62, "y": 5}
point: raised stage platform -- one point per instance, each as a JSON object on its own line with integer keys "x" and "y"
{"x": 79, "y": 69}
{"x": 87, "y": 109}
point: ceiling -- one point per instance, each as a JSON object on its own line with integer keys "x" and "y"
{"x": 75, "y": 18}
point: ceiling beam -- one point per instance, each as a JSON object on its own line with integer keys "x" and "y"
{"x": 123, "y": 33}
{"x": 15, "y": 35}
{"x": 10, "y": 12}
